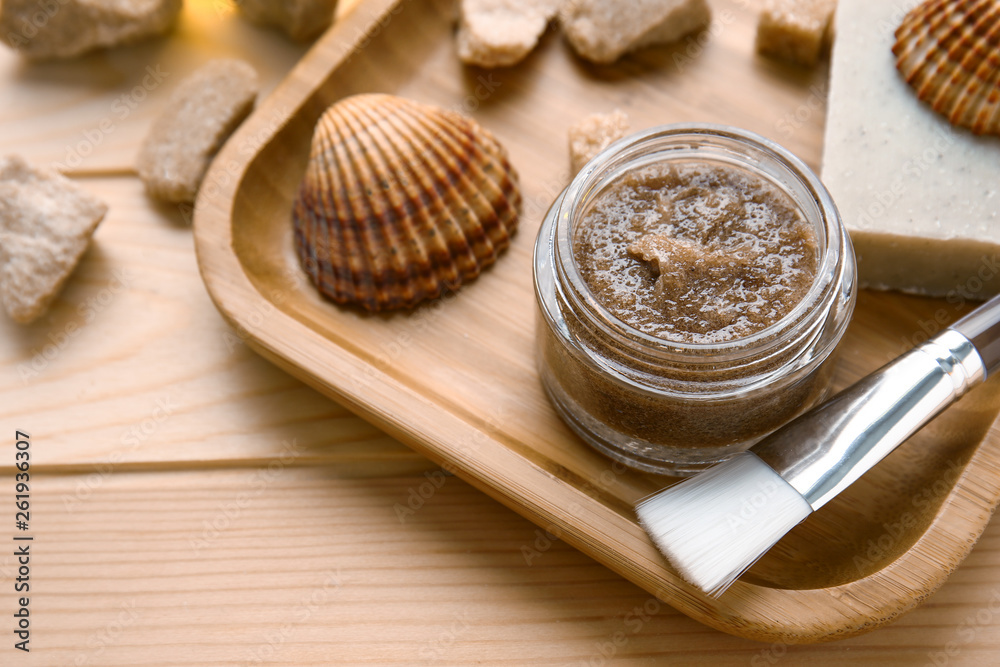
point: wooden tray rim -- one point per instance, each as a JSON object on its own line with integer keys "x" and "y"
{"x": 747, "y": 610}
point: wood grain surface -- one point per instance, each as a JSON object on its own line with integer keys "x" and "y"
{"x": 259, "y": 523}
{"x": 88, "y": 115}
{"x": 457, "y": 379}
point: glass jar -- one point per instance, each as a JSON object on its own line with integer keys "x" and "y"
{"x": 675, "y": 407}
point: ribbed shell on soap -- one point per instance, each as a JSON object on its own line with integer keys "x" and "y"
{"x": 949, "y": 52}
{"x": 401, "y": 202}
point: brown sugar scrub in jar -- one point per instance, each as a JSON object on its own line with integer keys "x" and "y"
{"x": 693, "y": 283}
{"x": 695, "y": 252}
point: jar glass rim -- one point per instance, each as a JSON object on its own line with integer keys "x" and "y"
{"x": 628, "y": 149}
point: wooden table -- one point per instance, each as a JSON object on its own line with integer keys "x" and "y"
{"x": 193, "y": 504}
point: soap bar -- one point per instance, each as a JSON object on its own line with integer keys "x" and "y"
{"x": 921, "y": 198}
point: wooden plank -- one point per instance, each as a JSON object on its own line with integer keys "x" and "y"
{"x": 90, "y": 114}
{"x": 133, "y": 366}
{"x": 297, "y": 566}
{"x": 117, "y": 578}
{"x": 457, "y": 379}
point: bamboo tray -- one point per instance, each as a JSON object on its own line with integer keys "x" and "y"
{"x": 456, "y": 379}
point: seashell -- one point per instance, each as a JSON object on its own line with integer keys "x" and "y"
{"x": 400, "y": 202}
{"x": 949, "y": 52}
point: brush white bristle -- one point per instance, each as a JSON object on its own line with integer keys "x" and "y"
{"x": 716, "y": 524}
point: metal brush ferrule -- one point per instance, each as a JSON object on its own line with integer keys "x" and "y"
{"x": 825, "y": 450}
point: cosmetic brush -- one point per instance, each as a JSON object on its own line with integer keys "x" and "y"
{"x": 716, "y": 524}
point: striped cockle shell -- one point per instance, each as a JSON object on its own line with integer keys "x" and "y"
{"x": 949, "y": 52}
{"x": 401, "y": 202}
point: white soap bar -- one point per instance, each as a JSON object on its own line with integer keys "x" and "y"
{"x": 920, "y": 197}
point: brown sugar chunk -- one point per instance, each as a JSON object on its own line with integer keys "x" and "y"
{"x": 593, "y": 134}
{"x": 794, "y": 30}
{"x": 604, "y": 30}
{"x": 500, "y": 33}
{"x": 302, "y": 20}
{"x": 201, "y": 114}
{"x": 68, "y": 28}
{"x": 46, "y": 222}
{"x": 696, "y": 252}
{"x": 679, "y": 264}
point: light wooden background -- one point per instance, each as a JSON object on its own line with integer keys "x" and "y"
{"x": 193, "y": 504}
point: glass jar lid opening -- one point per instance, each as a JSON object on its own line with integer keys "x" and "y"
{"x": 711, "y": 144}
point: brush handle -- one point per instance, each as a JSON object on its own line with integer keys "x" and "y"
{"x": 982, "y": 328}
{"x": 825, "y": 450}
